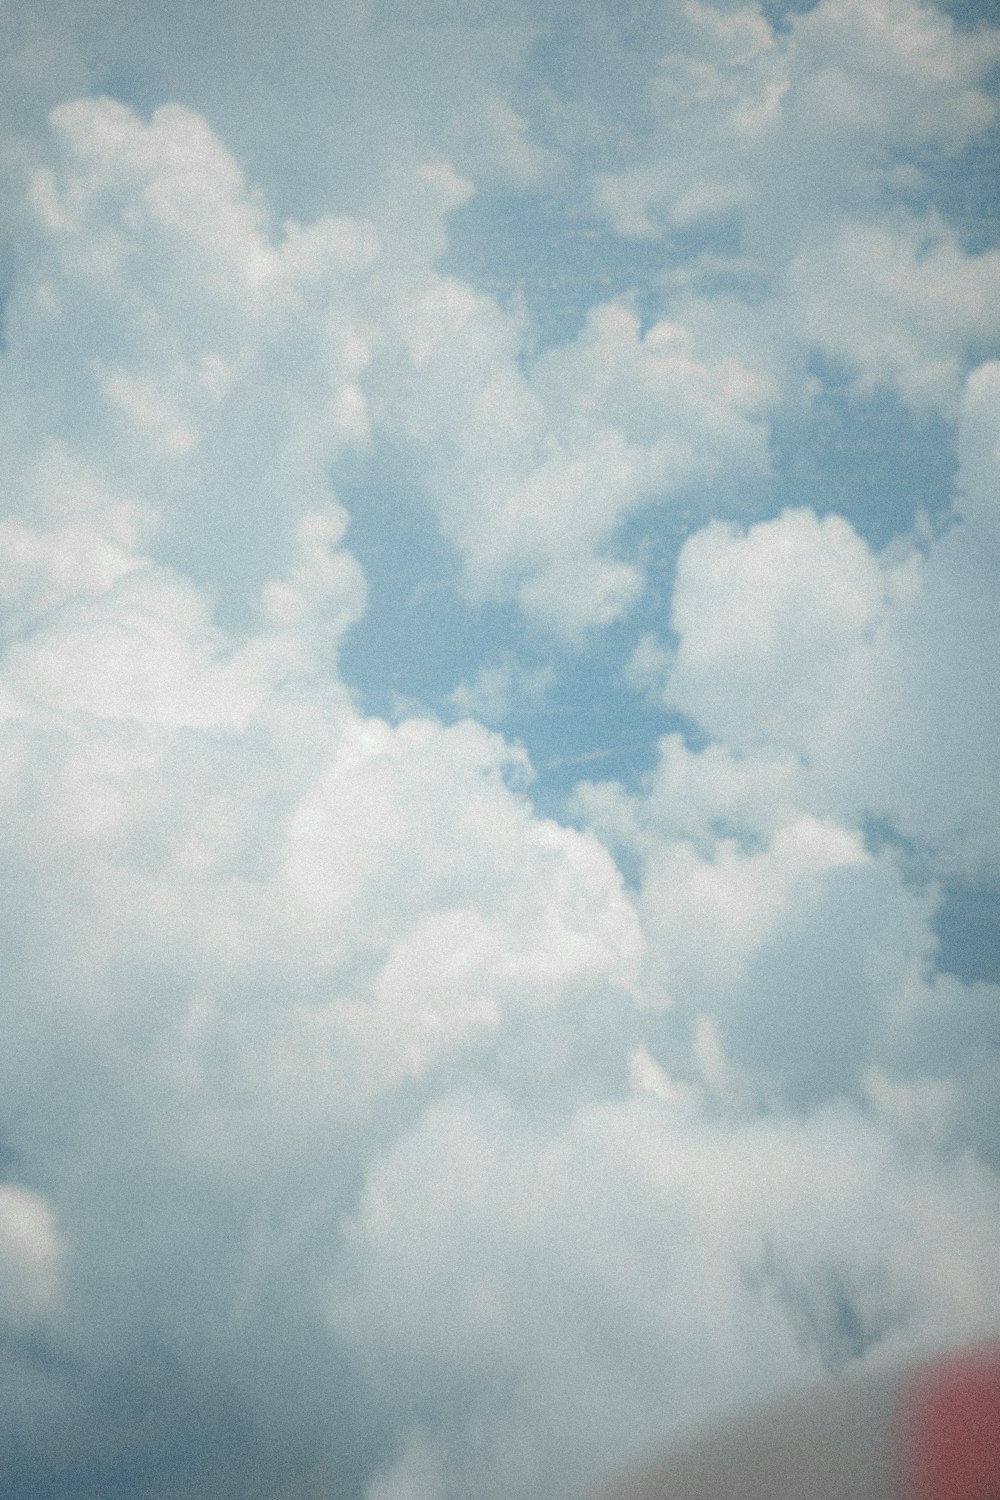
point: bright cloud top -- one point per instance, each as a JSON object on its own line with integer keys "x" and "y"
{"x": 381, "y": 1116}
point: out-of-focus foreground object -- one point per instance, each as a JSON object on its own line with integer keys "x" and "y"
{"x": 927, "y": 1432}
{"x": 949, "y": 1428}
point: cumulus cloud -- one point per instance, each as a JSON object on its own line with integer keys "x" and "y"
{"x": 242, "y": 361}
{"x": 905, "y": 308}
{"x": 781, "y": 946}
{"x": 876, "y": 671}
{"x": 808, "y": 146}
{"x": 365, "y": 1131}
{"x": 275, "y": 915}
{"x": 710, "y": 1250}
{"x": 533, "y": 475}
{"x": 275, "y": 919}
{"x": 175, "y": 367}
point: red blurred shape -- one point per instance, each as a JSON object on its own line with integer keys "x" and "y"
{"x": 950, "y": 1428}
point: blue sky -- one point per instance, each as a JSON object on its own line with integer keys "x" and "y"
{"x": 498, "y": 730}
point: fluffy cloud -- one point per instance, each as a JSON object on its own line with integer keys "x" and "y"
{"x": 241, "y": 363}
{"x": 168, "y": 347}
{"x": 533, "y": 474}
{"x": 792, "y": 606}
{"x": 874, "y": 670}
{"x": 792, "y": 105}
{"x": 325, "y": 101}
{"x": 363, "y": 1131}
{"x": 717, "y": 1255}
{"x": 785, "y": 147}
{"x": 274, "y": 914}
{"x": 905, "y": 308}
{"x": 782, "y": 948}
{"x": 278, "y": 924}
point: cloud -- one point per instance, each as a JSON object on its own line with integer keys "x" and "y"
{"x": 497, "y": 690}
{"x": 323, "y": 101}
{"x": 164, "y": 345}
{"x": 278, "y": 922}
{"x": 795, "y": 635}
{"x": 533, "y": 475}
{"x": 780, "y": 946}
{"x": 792, "y": 606}
{"x": 896, "y": 75}
{"x": 31, "y": 1252}
{"x": 365, "y": 1130}
{"x": 802, "y": 151}
{"x": 243, "y": 360}
{"x": 899, "y": 72}
{"x": 479, "y": 1286}
{"x": 905, "y": 308}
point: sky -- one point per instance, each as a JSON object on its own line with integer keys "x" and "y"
{"x": 499, "y": 729}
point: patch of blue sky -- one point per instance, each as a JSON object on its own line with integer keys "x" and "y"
{"x": 142, "y": 88}
{"x": 866, "y": 457}
{"x": 591, "y": 726}
{"x": 556, "y": 258}
{"x": 421, "y": 638}
{"x": 967, "y": 925}
{"x": 970, "y": 14}
{"x": 967, "y": 14}
{"x": 596, "y": 70}
{"x": 968, "y": 194}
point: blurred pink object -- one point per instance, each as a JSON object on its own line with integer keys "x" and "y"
{"x": 929, "y": 1431}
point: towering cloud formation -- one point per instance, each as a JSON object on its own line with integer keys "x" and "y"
{"x": 380, "y": 1116}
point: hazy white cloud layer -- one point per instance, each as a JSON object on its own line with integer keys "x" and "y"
{"x": 383, "y": 1116}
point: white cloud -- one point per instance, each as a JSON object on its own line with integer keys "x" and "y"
{"x": 274, "y": 919}
{"x": 244, "y": 361}
{"x": 167, "y": 346}
{"x": 497, "y": 690}
{"x": 358, "y": 1122}
{"x": 698, "y": 795}
{"x": 815, "y": 141}
{"x": 43, "y": 569}
{"x": 321, "y": 100}
{"x": 772, "y": 928}
{"x": 904, "y": 307}
{"x": 30, "y": 1254}
{"x": 876, "y": 671}
{"x": 792, "y": 608}
{"x": 718, "y": 1256}
{"x": 212, "y": 353}
{"x": 898, "y": 72}
{"x": 534, "y": 474}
